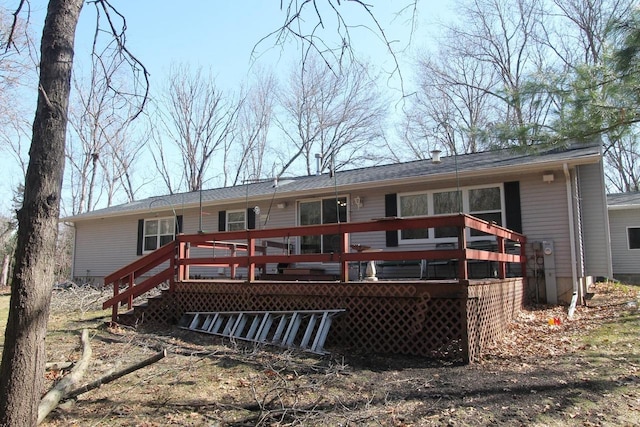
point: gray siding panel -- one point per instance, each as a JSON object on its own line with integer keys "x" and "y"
{"x": 595, "y": 224}
{"x": 545, "y": 216}
{"x": 625, "y": 260}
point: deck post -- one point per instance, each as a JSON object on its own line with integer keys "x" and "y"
{"x": 344, "y": 264}
{"x": 131, "y": 285}
{"x": 523, "y": 264}
{"x": 114, "y": 307}
{"x": 462, "y": 246}
{"x": 502, "y": 266}
{"x": 183, "y": 253}
{"x": 233, "y": 267}
{"x": 251, "y": 265}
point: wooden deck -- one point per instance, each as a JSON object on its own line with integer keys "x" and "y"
{"x": 441, "y": 318}
{"x": 437, "y": 319}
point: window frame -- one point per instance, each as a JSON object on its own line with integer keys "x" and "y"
{"x": 243, "y": 223}
{"x": 321, "y": 201}
{"x": 464, "y": 194}
{"x": 158, "y": 235}
{"x": 632, "y": 227}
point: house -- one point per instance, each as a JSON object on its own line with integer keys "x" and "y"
{"x": 624, "y": 225}
{"x": 460, "y": 242}
{"x": 555, "y": 197}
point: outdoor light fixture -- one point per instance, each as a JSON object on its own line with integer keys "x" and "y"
{"x": 357, "y": 201}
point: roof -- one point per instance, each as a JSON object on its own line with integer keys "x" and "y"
{"x": 465, "y": 165}
{"x": 629, "y": 200}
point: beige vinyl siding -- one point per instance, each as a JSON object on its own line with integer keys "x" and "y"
{"x": 545, "y": 216}
{"x": 625, "y": 260}
{"x": 595, "y": 224}
{"x": 104, "y": 245}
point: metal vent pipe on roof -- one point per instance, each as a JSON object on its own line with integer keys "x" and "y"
{"x": 318, "y": 163}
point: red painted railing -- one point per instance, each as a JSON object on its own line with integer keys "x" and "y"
{"x": 249, "y": 249}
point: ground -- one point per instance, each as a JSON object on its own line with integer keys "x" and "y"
{"x": 580, "y": 372}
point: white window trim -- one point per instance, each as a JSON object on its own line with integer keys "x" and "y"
{"x": 244, "y": 221}
{"x": 627, "y": 236}
{"x": 144, "y": 234}
{"x": 319, "y": 199}
{"x": 465, "y": 209}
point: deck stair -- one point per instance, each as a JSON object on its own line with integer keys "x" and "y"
{"x": 305, "y": 330}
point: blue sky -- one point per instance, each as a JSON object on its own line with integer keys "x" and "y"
{"x": 221, "y": 35}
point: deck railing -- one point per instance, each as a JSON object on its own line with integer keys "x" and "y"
{"x": 249, "y": 249}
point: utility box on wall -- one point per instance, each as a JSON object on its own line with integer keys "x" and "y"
{"x": 551, "y": 288}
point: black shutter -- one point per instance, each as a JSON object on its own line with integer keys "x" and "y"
{"x": 222, "y": 221}
{"x": 512, "y": 206}
{"x": 140, "y": 236}
{"x": 251, "y": 219}
{"x": 178, "y": 224}
{"x": 390, "y": 210}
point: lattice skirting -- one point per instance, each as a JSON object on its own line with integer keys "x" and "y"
{"x": 441, "y": 320}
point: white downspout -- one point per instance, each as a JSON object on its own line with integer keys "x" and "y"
{"x": 572, "y": 240}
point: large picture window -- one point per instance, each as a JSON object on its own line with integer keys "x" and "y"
{"x": 158, "y": 232}
{"x": 484, "y": 202}
{"x": 444, "y": 203}
{"x": 633, "y": 237}
{"x": 324, "y": 211}
{"x": 414, "y": 205}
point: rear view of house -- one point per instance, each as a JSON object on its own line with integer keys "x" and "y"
{"x": 440, "y": 243}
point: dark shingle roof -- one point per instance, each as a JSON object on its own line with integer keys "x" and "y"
{"x": 467, "y": 164}
{"x": 624, "y": 200}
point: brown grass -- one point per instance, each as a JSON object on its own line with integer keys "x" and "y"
{"x": 584, "y": 371}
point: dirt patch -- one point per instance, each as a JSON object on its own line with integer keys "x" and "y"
{"x": 584, "y": 371}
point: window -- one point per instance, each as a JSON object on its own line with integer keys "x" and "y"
{"x": 158, "y": 232}
{"x": 236, "y": 220}
{"x": 325, "y": 211}
{"x": 446, "y": 202}
{"x": 414, "y": 205}
{"x": 633, "y": 237}
{"x": 484, "y": 202}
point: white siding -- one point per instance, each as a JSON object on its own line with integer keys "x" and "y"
{"x": 104, "y": 245}
{"x": 625, "y": 260}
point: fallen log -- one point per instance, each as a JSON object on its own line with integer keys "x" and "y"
{"x": 115, "y": 375}
{"x": 55, "y": 366}
{"x": 53, "y": 397}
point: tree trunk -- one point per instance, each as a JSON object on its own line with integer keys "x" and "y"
{"x": 23, "y": 359}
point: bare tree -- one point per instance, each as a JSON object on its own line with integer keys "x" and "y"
{"x": 101, "y": 153}
{"x": 16, "y": 74}
{"x": 253, "y": 126}
{"x": 622, "y": 172}
{"x": 339, "y": 116}
{"x": 200, "y": 121}
{"x": 452, "y": 107}
{"x": 499, "y": 36}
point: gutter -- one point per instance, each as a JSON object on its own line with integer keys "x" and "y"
{"x": 572, "y": 241}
